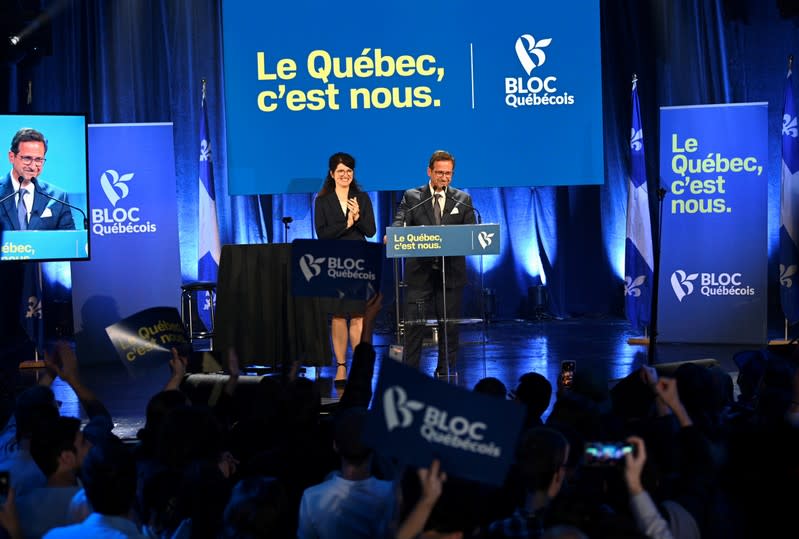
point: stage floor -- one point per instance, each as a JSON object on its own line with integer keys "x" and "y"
{"x": 504, "y": 350}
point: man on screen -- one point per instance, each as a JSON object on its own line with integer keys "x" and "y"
{"x": 435, "y": 203}
{"x": 35, "y": 205}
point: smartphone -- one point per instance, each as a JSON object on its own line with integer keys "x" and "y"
{"x": 606, "y": 453}
{"x": 567, "y": 369}
{"x": 5, "y": 483}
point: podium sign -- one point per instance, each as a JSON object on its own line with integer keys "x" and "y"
{"x": 43, "y": 244}
{"x": 442, "y": 240}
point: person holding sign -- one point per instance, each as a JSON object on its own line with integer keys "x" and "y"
{"x": 27, "y": 202}
{"x": 435, "y": 203}
{"x": 343, "y": 212}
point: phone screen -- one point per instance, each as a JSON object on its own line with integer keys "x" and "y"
{"x": 567, "y": 369}
{"x": 606, "y": 453}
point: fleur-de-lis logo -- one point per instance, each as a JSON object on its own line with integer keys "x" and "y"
{"x": 633, "y": 287}
{"x": 527, "y": 47}
{"x": 310, "y": 266}
{"x": 636, "y": 140}
{"x": 682, "y": 284}
{"x": 34, "y": 309}
{"x": 111, "y": 182}
{"x": 786, "y": 275}
{"x": 205, "y": 150}
{"x": 210, "y": 299}
{"x": 789, "y": 126}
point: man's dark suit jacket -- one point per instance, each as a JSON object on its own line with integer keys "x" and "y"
{"x": 46, "y": 214}
{"x": 331, "y": 222}
{"x": 457, "y": 211}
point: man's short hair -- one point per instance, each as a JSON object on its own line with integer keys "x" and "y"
{"x": 48, "y": 441}
{"x": 348, "y": 428}
{"x": 441, "y": 155}
{"x": 540, "y": 454}
{"x": 34, "y": 406}
{"x": 108, "y": 474}
{"x": 27, "y": 134}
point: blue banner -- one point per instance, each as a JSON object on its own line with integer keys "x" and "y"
{"x": 713, "y": 279}
{"x": 336, "y": 268}
{"x": 500, "y": 80}
{"x": 789, "y": 212}
{"x": 417, "y": 418}
{"x": 638, "y": 256}
{"x": 133, "y": 220}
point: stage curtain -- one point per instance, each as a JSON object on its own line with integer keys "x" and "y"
{"x": 144, "y": 60}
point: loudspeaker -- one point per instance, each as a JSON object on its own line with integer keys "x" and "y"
{"x": 667, "y": 369}
{"x": 207, "y": 388}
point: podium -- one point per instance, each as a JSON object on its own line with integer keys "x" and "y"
{"x": 439, "y": 241}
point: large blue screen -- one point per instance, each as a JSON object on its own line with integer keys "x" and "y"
{"x": 512, "y": 89}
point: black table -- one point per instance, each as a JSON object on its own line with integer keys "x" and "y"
{"x": 257, "y": 315}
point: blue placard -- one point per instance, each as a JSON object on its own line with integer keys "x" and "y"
{"x": 335, "y": 268}
{"x": 442, "y": 240}
{"x": 713, "y": 266}
{"x": 416, "y": 418}
{"x": 522, "y": 81}
{"x": 43, "y": 244}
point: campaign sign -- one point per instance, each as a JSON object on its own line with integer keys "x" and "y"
{"x": 442, "y": 240}
{"x": 714, "y": 252}
{"x": 522, "y": 80}
{"x": 134, "y": 232}
{"x": 335, "y": 268}
{"x": 145, "y": 339}
{"x": 417, "y": 418}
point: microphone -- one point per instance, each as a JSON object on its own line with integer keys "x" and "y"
{"x": 428, "y": 199}
{"x": 7, "y": 196}
{"x": 462, "y": 203}
{"x": 35, "y": 183}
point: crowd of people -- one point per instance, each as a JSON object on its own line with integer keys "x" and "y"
{"x": 263, "y": 460}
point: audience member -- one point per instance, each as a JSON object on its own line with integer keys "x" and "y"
{"x": 58, "y": 448}
{"x": 109, "y": 478}
{"x": 540, "y": 461}
{"x": 534, "y": 391}
{"x": 258, "y": 509}
{"x": 491, "y": 386}
{"x": 352, "y": 503}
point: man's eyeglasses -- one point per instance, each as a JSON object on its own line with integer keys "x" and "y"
{"x": 27, "y": 159}
{"x": 444, "y": 173}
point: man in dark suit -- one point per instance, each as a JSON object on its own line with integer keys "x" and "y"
{"x": 432, "y": 204}
{"x": 42, "y": 207}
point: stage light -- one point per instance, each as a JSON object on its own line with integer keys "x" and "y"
{"x": 14, "y": 40}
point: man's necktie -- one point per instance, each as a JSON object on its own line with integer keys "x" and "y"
{"x": 22, "y": 210}
{"x": 437, "y": 209}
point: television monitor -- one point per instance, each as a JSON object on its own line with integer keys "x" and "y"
{"x": 57, "y": 183}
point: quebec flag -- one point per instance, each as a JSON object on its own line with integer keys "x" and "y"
{"x": 789, "y": 198}
{"x": 638, "y": 258}
{"x": 209, "y": 246}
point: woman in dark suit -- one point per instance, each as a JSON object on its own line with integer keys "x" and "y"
{"x": 343, "y": 212}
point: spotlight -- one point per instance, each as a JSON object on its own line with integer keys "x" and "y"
{"x": 14, "y": 40}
